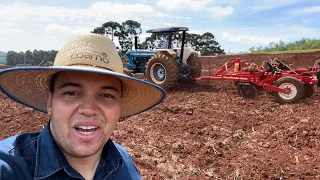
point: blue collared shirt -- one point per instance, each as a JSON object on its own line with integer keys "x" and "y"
{"x": 37, "y": 156}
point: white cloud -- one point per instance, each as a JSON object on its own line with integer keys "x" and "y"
{"x": 56, "y": 28}
{"x": 11, "y": 30}
{"x": 304, "y": 11}
{"x": 250, "y": 39}
{"x": 271, "y": 4}
{"x": 228, "y": 2}
{"x": 217, "y": 11}
{"x": 120, "y": 10}
{"x": 198, "y": 5}
{"x": 6, "y": 24}
{"x": 36, "y": 12}
{"x": 194, "y": 5}
{"x": 98, "y": 12}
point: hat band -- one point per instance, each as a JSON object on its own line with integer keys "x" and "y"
{"x": 90, "y": 65}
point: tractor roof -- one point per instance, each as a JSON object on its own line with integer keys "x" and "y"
{"x": 168, "y": 29}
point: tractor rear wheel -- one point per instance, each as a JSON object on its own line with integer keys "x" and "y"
{"x": 163, "y": 71}
{"x": 194, "y": 62}
{"x": 295, "y": 86}
{"x": 127, "y": 72}
{"x": 308, "y": 90}
{"x": 247, "y": 91}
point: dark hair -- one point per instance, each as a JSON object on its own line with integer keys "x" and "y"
{"x": 52, "y": 82}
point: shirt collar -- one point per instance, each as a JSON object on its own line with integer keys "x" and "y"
{"x": 112, "y": 158}
{"x": 50, "y": 159}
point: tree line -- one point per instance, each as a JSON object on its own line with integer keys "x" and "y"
{"x": 303, "y": 44}
{"x": 125, "y": 32}
{"x": 35, "y": 57}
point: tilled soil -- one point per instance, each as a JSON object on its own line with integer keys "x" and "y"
{"x": 204, "y": 130}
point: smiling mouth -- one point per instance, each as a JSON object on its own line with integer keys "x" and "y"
{"x": 86, "y": 130}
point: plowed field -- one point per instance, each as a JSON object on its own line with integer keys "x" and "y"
{"x": 205, "y": 130}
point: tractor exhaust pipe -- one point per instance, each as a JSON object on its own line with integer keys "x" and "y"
{"x": 135, "y": 42}
{"x": 182, "y": 46}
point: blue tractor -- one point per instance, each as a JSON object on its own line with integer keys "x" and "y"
{"x": 165, "y": 67}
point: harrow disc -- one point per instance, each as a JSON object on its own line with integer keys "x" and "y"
{"x": 309, "y": 90}
{"x": 247, "y": 91}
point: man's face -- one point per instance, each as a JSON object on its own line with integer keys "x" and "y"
{"x": 84, "y": 110}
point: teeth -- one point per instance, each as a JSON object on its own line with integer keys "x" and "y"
{"x": 87, "y": 127}
{"x": 85, "y": 132}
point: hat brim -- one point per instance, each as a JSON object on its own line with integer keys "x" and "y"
{"x": 28, "y": 84}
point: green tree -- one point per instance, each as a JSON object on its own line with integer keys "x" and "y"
{"x": 20, "y": 60}
{"x": 158, "y": 39}
{"x": 252, "y": 49}
{"x": 302, "y": 44}
{"x": 155, "y": 41}
{"x": 11, "y": 58}
{"x": 132, "y": 29}
{"x": 209, "y": 46}
{"x": 194, "y": 39}
{"x": 29, "y": 58}
{"x": 99, "y": 30}
{"x": 124, "y": 41}
{"x": 53, "y": 54}
{"x": 112, "y": 28}
{"x": 37, "y": 57}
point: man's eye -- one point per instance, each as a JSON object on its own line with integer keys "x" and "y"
{"x": 69, "y": 93}
{"x": 107, "y": 96}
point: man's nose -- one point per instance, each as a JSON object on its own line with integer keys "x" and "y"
{"x": 89, "y": 107}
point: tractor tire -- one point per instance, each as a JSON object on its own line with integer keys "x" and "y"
{"x": 194, "y": 61}
{"x": 247, "y": 91}
{"x": 295, "y": 85}
{"x": 163, "y": 71}
{"x": 308, "y": 90}
{"x": 127, "y": 72}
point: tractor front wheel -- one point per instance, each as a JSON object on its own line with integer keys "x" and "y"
{"x": 127, "y": 72}
{"x": 163, "y": 71}
{"x": 296, "y": 88}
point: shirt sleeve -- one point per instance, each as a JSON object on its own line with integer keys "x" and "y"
{"x": 12, "y": 166}
{"x": 5, "y": 170}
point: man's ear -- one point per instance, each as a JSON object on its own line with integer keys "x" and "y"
{"x": 48, "y": 97}
{"x": 121, "y": 101}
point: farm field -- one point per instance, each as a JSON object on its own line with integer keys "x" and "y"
{"x": 204, "y": 130}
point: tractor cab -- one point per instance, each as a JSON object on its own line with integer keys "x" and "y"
{"x": 170, "y": 64}
{"x": 181, "y": 53}
{"x": 167, "y": 65}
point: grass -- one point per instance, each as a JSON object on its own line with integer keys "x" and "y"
{"x": 290, "y": 51}
{"x": 2, "y": 59}
{"x": 276, "y": 52}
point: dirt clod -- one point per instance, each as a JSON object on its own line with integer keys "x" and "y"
{"x": 204, "y": 130}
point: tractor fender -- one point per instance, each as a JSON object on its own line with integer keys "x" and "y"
{"x": 186, "y": 53}
{"x": 168, "y": 52}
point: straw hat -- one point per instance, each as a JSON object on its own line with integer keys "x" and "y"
{"x": 87, "y": 53}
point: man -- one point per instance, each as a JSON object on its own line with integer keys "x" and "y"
{"x": 85, "y": 93}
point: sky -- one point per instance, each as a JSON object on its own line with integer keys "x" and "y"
{"x": 236, "y": 24}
